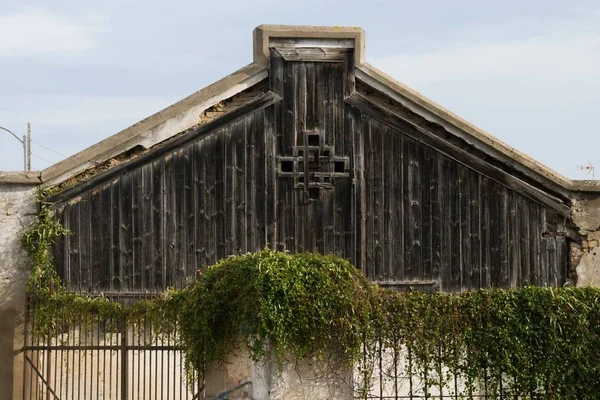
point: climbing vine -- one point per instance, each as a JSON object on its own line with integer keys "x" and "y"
{"x": 534, "y": 342}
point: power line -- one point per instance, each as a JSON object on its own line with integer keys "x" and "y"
{"x": 45, "y": 159}
{"x": 48, "y": 148}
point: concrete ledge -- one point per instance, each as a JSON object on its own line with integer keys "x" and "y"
{"x": 158, "y": 127}
{"x": 21, "y": 178}
{"x": 264, "y": 33}
{"x": 585, "y": 185}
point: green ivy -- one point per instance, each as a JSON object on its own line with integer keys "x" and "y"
{"x": 305, "y": 305}
{"x": 535, "y": 342}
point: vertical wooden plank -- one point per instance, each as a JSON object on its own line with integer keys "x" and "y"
{"x": 455, "y": 235}
{"x": 271, "y": 121}
{"x": 332, "y": 219}
{"x": 475, "y": 230}
{"x": 275, "y": 72}
{"x": 202, "y": 203}
{"x": 354, "y": 127}
{"x": 258, "y": 196}
{"x": 301, "y": 207}
{"x": 337, "y": 101}
{"x": 286, "y": 140}
{"x": 407, "y": 236}
{"x": 544, "y": 261}
{"x": 241, "y": 180}
{"x": 96, "y": 237}
{"x": 369, "y": 256}
{"x": 309, "y": 98}
{"x": 117, "y": 241}
{"x": 495, "y": 229}
{"x": 158, "y": 223}
{"x": 105, "y": 271}
{"x": 170, "y": 224}
{"x": 84, "y": 234}
{"x": 253, "y": 143}
{"x": 378, "y": 183}
{"x": 413, "y": 266}
{"x": 147, "y": 232}
{"x": 126, "y": 232}
{"x": 396, "y": 178}
{"x": 562, "y": 261}
{"x": 446, "y": 268}
{"x": 436, "y": 181}
{"x": 536, "y": 237}
{"x": 427, "y": 187}
{"x": 524, "y": 241}
{"x": 190, "y": 210}
{"x": 230, "y": 184}
{"x": 289, "y": 131}
{"x": 349, "y": 75}
{"x": 553, "y": 260}
{"x": 274, "y": 131}
{"x": 465, "y": 228}
{"x": 344, "y": 187}
{"x": 344, "y": 146}
{"x": 486, "y": 212}
{"x": 503, "y": 236}
{"x": 136, "y": 230}
{"x": 73, "y": 270}
{"x": 514, "y": 243}
{"x": 181, "y": 231}
{"x": 220, "y": 193}
{"x": 388, "y": 201}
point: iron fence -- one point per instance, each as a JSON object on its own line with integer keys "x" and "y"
{"x": 106, "y": 359}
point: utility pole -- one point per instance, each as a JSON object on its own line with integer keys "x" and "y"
{"x": 23, "y": 142}
{"x": 28, "y": 156}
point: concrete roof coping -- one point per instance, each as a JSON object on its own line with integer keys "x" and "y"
{"x": 20, "y": 178}
{"x": 148, "y": 127}
{"x": 263, "y": 34}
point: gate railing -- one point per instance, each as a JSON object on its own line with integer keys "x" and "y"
{"x": 105, "y": 360}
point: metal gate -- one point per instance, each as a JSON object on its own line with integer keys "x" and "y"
{"x": 105, "y": 360}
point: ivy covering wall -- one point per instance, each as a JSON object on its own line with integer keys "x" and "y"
{"x": 536, "y": 342}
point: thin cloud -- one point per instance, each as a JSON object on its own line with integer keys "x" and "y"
{"x": 575, "y": 60}
{"x": 36, "y": 31}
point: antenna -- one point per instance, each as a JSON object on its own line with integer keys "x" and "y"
{"x": 591, "y": 169}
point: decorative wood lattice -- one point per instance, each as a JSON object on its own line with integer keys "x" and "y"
{"x": 314, "y": 165}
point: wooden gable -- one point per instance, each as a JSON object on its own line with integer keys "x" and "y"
{"x": 317, "y": 161}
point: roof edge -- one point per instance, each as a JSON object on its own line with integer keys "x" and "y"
{"x": 466, "y": 130}
{"x": 158, "y": 127}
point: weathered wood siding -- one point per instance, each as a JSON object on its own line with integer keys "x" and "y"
{"x": 431, "y": 218}
{"x": 151, "y": 228}
{"x": 311, "y": 172}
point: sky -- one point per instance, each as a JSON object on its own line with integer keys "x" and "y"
{"x": 527, "y": 72}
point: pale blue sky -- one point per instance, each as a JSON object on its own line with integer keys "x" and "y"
{"x": 527, "y": 72}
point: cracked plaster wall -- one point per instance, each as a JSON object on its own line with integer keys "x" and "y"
{"x": 585, "y": 257}
{"x": 17, "y": 210}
